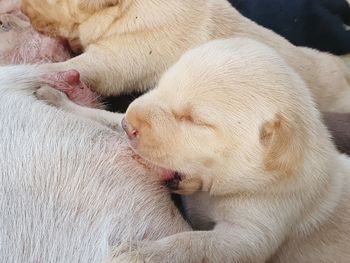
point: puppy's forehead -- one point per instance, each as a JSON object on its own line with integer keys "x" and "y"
{"x": 205, "y": 92}
{"x": 219, "y": 87}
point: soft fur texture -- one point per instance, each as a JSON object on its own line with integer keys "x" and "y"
{"x": 130, "y": 43}
{"x": 69, "y": 187}
{"x": 241, "y": 129}
{"x": 319, "y": 24}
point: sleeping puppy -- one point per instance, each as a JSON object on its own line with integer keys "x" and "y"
{"x": 318, "y": 24}
{"x": 247, "y": 145}
{"x": 130, "y": 43}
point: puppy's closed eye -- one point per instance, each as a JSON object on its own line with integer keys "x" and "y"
{"x": 191, "y": 118}
{"x": 185, "y": 114}
{"x": 183, "y": 117}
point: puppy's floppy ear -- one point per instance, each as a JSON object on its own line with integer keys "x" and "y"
{"x": 96, "y": 5}
{"x": 283, "y": 144}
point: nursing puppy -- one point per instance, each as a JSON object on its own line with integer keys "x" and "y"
{"x": 130, "y": 43}
{"x": 69, "y": 187}
{"x": 242, "y": 133}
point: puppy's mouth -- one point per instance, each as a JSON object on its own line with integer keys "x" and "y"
{"x": 171, "y": 178}
{"x": 173, "y": 183}
{"x": 167, "y": 174}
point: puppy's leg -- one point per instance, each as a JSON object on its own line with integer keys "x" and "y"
{"x": 69, "y": 82}
{"x": 59, "y": 99}
{"x": 106, "y": 71}
{"x": 126, "y": 64}
{"x": 252, "y": 235}
{"x": 190, "y": 247}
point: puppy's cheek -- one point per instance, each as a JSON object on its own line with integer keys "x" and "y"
{"x": 144, "y": 141}
{"x": 134, "y": 143}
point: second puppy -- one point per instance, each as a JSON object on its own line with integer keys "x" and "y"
{"x": 129, "y": 44}
{"x": 252, "y": 153}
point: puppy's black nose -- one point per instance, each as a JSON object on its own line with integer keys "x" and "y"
{"x": 129, "y": 129}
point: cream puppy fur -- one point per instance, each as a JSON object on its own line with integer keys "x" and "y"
{"x": 130, "y": 43}
{"x": 256, "y": 161}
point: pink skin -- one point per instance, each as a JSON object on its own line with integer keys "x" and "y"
{"x": 28, "y": 47}
{"x": 21, "y": 44}
{"x": 11, "y": 7}
{"x": 69, "y": 82}
{"x": 25, "y": 44}
{"x": 166, "y": 174}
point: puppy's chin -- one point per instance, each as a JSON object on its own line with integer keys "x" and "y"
{"x": 163, "y": 173}
{"x": 176, "y": 180}
{"x": 166, "y": 175}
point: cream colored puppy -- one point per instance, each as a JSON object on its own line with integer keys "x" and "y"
{"x": 240, "y": 128}
{"x": 128, "y": 44}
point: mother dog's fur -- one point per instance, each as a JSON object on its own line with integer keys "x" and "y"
{"x": 130, "y": 43}
{"x": 241, "y": 129}
{"x": 69, "y": 187}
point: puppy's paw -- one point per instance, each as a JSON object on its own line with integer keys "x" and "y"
{"x": 143, "y": 252}
{"x": 69, "y": 82}
{"x": 52, "y": 96}
{"x": 126, "y": 253}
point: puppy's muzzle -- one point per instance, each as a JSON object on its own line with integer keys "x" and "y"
{"x": 129, "y": 129}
